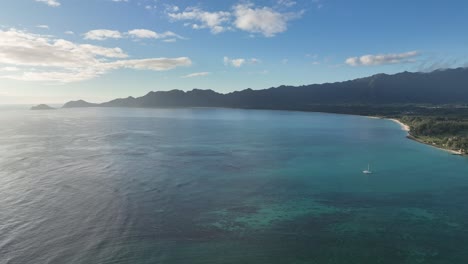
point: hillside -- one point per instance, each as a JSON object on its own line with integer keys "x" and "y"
{"x": 438, "y": 87}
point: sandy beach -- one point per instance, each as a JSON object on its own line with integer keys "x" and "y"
{"x": 454, "y": 152}
{"x": 407, "y": 129}
{"x": 403, "y": 126}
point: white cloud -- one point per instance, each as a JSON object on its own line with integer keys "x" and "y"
{"x": 287, "y": 3}
{"x": 142, "y": 33}
{"x": 150, "y": 7}
{"x": 43, "y": 26}
{"x": 196, "y": 74}
{"x": 381, "y": 59}
{"x": 118, "y": 1}
{"x": 43, "y": 58}
{"x": 263, "y": 20}
{"x": 245, "y": 16}
{"x": 145, "y": 33}
{"x": 215, "y": 21}
{"x": 69, "y": 32}
{"x": 172, "y": 8}
{"x": 239, "y": 61}
{"x": 102, "y": 34}
{"x": 53, "y": 3}
{"x": 156, "y": 64}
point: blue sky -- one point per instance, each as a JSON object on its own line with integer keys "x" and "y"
{"x": 52, "y": 51}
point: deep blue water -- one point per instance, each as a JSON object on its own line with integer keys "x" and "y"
{"x": 224, "y": 186}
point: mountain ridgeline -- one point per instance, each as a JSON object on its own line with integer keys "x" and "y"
{"x": 438, "y": 87}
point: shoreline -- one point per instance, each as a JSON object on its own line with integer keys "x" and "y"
{"x": 453, "y": 152}
{"x": 406, "y": 128}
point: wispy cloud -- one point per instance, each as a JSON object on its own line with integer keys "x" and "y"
{"x": 53, "y": 3}
{"x": 287, "y": 3}
{"x": 44, "y": 58}
{"x": 145, "y": 33}
{"x": 196, "y": 74}
{"x": 265, "y": 20}
{"x": 239, "y": 62}
{"x": 382, "y": 59}
{"x": 103, "y": 34}
{"x": 43, "y": 26}
{"x": 215, "y": 21}
{"x": 245, "y": 16}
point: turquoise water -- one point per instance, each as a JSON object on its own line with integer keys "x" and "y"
{"x": 224, "y": 186}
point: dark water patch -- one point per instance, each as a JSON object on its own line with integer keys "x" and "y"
{"x": 372, "y": 200}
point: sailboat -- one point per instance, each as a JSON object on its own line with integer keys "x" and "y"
{"x": 368, "y": 171}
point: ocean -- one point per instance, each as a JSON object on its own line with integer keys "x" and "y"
{"x": 207, "y": 185}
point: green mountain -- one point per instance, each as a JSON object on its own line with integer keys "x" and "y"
{"x": 438, "y": 87}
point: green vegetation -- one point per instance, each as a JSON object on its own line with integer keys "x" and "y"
{"x": 443, "y": 126}
{"x": 442, "y": 131}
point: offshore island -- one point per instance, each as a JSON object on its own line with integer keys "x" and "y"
{"x": 431, "y": 106}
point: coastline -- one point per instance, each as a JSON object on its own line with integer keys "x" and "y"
{"x": 406, "y": 128}
{"x": 453, "y": 152}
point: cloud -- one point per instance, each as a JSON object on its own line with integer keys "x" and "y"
{"x": 44, "y": 58}
{"x": 382, "y": 59}
{"x": 213, "y": 20}
{"x": 119, "y": 1}
{"x": 239, "y": 62}
{"x": 245, "y": 16}
{"x": 287, "y": 3}
{"x": 172, "y": 8}
{"x": 196, "y": 74}
{"x": 69, "y": 32}
{"x": 53, "y": 3}
{"x": 145, "y": 33}
{"x": 156, "y": 64}
{"x": 102, "y": 34}
{"x": 263, "y": 20}
{"x": 43, "y": 26}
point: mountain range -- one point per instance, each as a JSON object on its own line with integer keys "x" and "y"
{"x": 449, "y": 86}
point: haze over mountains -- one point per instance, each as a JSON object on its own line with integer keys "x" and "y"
{"x": 448, "y": 86}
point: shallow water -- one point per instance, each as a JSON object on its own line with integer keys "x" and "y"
{"x": 224, "y": 186}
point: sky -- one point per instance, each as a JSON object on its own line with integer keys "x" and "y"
{"x": 53, "y": 51}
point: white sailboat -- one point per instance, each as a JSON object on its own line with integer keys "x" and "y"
{"x": 368, "y": 171}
